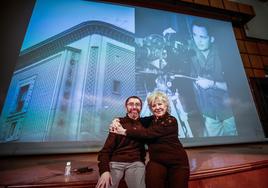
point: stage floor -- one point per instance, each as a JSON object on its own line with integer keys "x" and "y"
{"x": 204, "y": 162}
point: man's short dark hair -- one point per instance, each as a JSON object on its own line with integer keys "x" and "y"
{"x": 202, "y": 23}
{"x": 133, "y": 97}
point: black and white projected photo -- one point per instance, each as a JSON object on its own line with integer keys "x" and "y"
{"x": 80, "y": 60}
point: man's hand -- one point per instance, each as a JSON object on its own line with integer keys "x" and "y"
{"x": 204, "y": 83}
{"x": 116, "y": 127}
{"x": 118, "y": 130}
{"x": 105, "y": 180}
{"x": 115, "y": 124}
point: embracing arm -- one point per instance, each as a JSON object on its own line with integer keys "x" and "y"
{"x": 169, "y": 127}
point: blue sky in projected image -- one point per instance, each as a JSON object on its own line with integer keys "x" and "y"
{"x": 52, "y": 17}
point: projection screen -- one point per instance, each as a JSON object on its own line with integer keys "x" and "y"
{"x": 80, "y": 60}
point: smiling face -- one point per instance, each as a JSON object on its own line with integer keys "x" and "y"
{"x": 159, "y": 107}
{"x": 133, "y": 107}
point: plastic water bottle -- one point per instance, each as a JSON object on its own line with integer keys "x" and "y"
{"x": 67, "y": 169}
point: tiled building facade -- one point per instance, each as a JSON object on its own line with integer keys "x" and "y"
{"x": 66, "y": 86}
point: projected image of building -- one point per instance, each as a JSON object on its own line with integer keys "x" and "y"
{"x": 70, "y": 86}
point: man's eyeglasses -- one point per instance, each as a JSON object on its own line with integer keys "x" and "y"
{"x": 134, "y": 104}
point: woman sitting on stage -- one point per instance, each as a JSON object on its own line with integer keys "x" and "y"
{"x": 168, "y": 165}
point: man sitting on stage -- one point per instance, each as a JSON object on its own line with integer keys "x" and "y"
{"x": 121, "y": 155}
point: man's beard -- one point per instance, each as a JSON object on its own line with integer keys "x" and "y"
{"x": 134, "y": 113}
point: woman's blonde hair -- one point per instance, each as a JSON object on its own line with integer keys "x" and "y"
{"x": 157, "y": 95}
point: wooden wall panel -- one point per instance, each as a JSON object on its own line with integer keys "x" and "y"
{"x": 202, "y": 2}
{"x": 256, "y": 61}
{"x": 241, "y": 46}
{"x": 249, "y": 72}
{"x": 189, "y": 1}
{"x": 238, "y": 33}
{"x": 259, "y": 73}
{"x": 229, "y": 5}
{"x": 245, "y": 60}
{"x": 244, "y": 8}
{"x": 265, "y": 60}
{"x": 263, "y": 48}
{"x": 254, "y": 52}
{"x": 252, "y": 47}
{"x": 216, "y": 3}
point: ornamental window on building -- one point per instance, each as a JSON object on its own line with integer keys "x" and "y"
{"x": 19, "y": 108}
